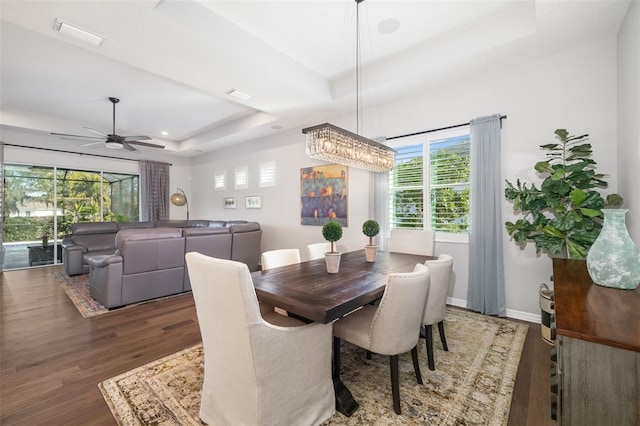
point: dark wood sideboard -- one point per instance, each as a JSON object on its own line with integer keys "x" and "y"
{"x": 598, "y": 349}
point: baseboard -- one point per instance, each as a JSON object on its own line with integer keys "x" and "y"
{"x": 511, "y": 313}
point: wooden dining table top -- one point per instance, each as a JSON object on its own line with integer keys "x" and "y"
{"x": 306, "y": 289}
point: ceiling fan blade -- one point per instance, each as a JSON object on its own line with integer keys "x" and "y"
{"x": 91, "y": 143}
{"x": 95, "y": 131}
{"x": 150, "y": 145}
{"x": 74, "y": 136}
{"x": 136, "y": 138}
{"x": 128, "y": 147}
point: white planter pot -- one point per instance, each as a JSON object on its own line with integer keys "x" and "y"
{"x": 333, "y": 262}
{"x": 371, "y": 252}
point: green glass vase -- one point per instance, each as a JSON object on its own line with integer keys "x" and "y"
{"x": 613, "y": 259}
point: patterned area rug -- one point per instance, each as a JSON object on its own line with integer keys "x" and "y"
{"x": 77, "y": 288}
{"x": 472, "y": 384}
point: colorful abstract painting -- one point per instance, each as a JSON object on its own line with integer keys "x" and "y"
{"x": 323, "y": 194}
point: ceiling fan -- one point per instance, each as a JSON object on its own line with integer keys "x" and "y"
{"x": 114, "y": 140}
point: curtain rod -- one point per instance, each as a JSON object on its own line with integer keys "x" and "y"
{"x": 72, "y": 152}
{"x": 502, "y": 117}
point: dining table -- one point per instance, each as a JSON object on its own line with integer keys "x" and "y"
{"x": 307, "y": 291}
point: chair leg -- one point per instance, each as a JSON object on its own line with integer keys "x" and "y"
{"x": 368, "y": 354}
{"x": 335, "y": 374}
{"x": 395, "y": 387}
{"x": 442, "y": 338}
{"x": 429, "y": 343}
{"x": 416, "y": 365}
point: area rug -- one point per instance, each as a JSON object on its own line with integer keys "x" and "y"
{"x": 472, "y": 383}
{"x": 77, "y": 288}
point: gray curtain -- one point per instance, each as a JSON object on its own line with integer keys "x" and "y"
{"x": 486, "y": 264}
{"x": 1, "y": 206}
{"x": 154, "y": 190}
{"x": 379, "y": 207}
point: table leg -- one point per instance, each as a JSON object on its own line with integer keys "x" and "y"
{"x": 345, "y": 403}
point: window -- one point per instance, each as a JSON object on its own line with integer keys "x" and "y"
{"x": 219, "y": 180}
{"x": 41, "y": 200}
{"x": 439, "y": 166}
{"x": 267, "y": 174}
{"x": 242, "y": 177}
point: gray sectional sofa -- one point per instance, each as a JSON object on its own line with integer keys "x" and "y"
{"x": 132, "y": 262}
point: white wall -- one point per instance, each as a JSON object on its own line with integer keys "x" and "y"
{"x": 629, "y": 117}
{"x": 575, "y": 90}
{"x": 280, "y": 212}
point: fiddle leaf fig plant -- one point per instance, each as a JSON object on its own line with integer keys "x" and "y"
{"x": 563, "y": 216}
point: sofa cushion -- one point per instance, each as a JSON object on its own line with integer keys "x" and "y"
{"x": 97, "y": 254}
{"x": 235, "y": 222}
{"x": 135, "y": 225}
{"x": 94, "y": 228}
{"x": 170, "y": 223}
{"x": 244, "y": 227}
{"x": 145, "y": 250}
{"x": 145, "y": 234}
{"x": 197, "y": 223}
{"x": 217, "y": 223}
{"x": 187, "y": 232}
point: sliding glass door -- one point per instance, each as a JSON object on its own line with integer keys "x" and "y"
{"x": 41, "y": 204}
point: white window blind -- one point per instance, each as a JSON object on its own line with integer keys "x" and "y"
{"x": 220, "y": 183}
{"x": 406, "y": 188}
{"x": 242, "y": 177}
{"x": 449, "y": 184}
{"x": 438, "y": 167}
{"x": 267, "y": 174}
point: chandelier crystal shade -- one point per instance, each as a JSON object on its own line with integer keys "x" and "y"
{"x": 330, "y": 143}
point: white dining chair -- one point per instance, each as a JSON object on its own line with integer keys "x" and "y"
{"x": 256, "y": 372}
{"x": 317, "y": 250}
{"x": 390, "y": 328}
{"x": 412, "y": 241}
{"x": 440, "y": 273}
{"x": 274, "y": 259}
{"x": 282, "y": 257}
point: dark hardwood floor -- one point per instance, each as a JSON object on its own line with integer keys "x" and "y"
{"x": 52, "y": 359}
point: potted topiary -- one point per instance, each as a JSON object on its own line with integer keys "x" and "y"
{"x": 332, "y": 232}
{"x": 370, "y": 228}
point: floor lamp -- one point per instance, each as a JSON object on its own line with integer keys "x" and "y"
{"x": 180, "y": 199}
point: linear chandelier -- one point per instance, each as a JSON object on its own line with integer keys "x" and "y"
{"x": 331, "y": 143}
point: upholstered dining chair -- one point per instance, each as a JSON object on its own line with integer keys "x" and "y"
{"x": 282, "y": 257}
{"x": 389, "y": 328}
{"x": 271, "y": 371}
{"x": 274, "y": 259}
{"x": 440, "y": 273}
{"x": 412, "y": 241}
{"x": 317, "y": 250}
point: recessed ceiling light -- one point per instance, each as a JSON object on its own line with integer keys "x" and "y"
{"x": 238, "y": 94}
{"x": 388, "y": 26}
{"x": 78, "y": 33}
{"x": 164, "y": 133}
{"x": 276, "y": 127}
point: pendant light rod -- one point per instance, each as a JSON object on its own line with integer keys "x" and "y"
{"x": 114, "y": 101}
{"x": 358, "y": 65}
